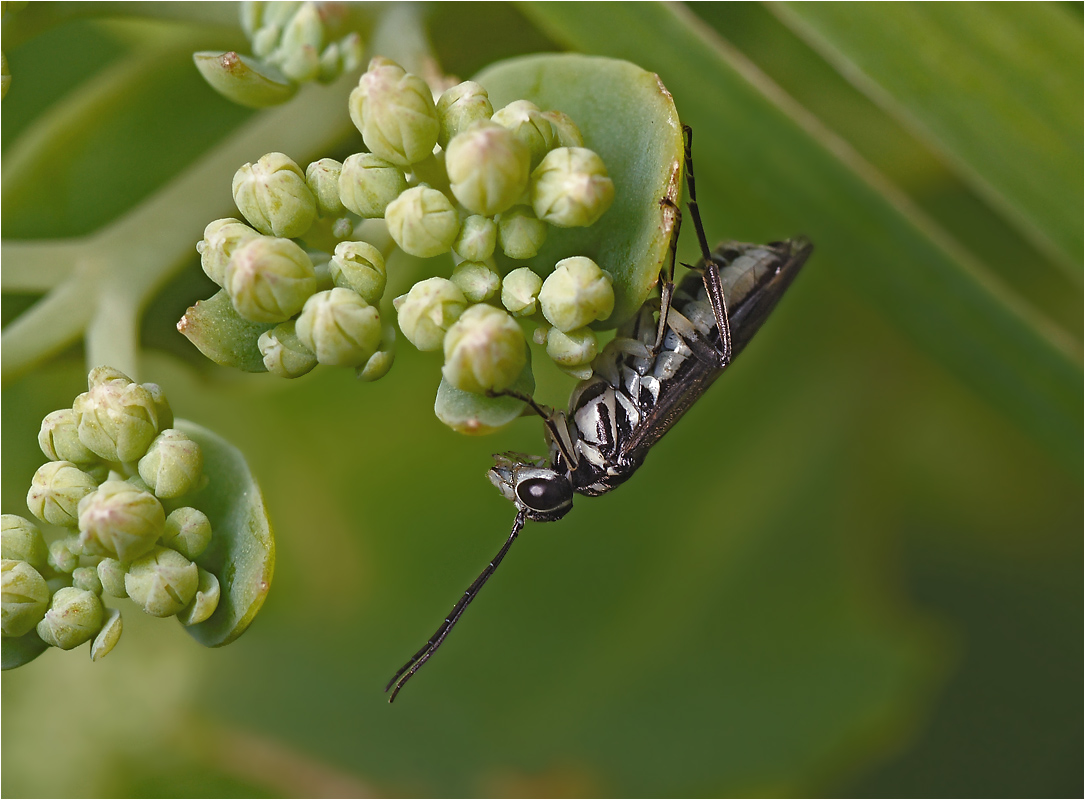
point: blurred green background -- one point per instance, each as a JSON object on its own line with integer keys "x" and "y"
{"x": 854, "y": 569}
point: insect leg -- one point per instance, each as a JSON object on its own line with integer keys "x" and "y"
{"x": 406, "y": 672}
{"x": 666, "y": 275}
{"x": 558, "y": 430}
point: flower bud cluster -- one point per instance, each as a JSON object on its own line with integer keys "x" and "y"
{"x": 296, "y": 39}
{"x": 114, "y": 457}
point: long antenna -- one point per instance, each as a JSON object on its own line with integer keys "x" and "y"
{"x": 405, "y": 673}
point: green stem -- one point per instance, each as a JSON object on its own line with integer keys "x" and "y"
{"x": 35, "y": 267}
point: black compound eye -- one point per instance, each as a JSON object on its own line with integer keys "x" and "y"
{"x": 545, "y": 494}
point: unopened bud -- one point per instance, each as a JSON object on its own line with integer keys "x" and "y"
{"x": 520, "y": 233}
{"x": 24, "y": 597}
{"x": 477, "y": 238}
{"x": 284, "y": 353}
{"x": 59, "y": 438}
{"x": 395, "y": 113}
{"x": 64, "y": 554}
{"x": 273, "y": 196}
{"x": 381, "y": 361}
{"x": 162, "y": 582}
{"x": 368, "y": 183}
{"x": 422, "y": 222}
{"x": 359, "y": 266}
{"x": 74, "y": 616}
{"x": 20, "y": 540}
{"x": 573, "y": 349}
{"x": 161, "y": 406}
{"x": 220, "y": 239}
{"x": 520, "y": 292}
{"x": 570, "y": 187}
{"x": 270, "y": 279}
{"x": 108, "y": 636}
{"x": 87, "y": 578}
{"x": 459, "y": 107}
{"x": 488, "y": 168}
{"x": 478, "y": 281}
{"x": 173, "y": 465}
{"x": 205, "y": 602}
{"x": 485, "y": 351}
{"x": 341, "y": 328}
{"x": 428, "y": 310}
{"x": 566, "y": 131}
{"x": 56, "y": 490}
{"x": 120, "y": 521}
{"x": 117, "y": 422}
{"x": 322, "y": 178}
{"x": 111, "y": 576}
{"x": 188, "y": 531}
{"x": 576, "y": 294}
{"x": 529, "y": 125}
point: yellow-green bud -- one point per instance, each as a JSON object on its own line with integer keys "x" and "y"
{"x": 566, "y": 131}
{"x": 108, "y": 636}
{"x": 520, "y": 292}
{"x": 341, "y": 328}
{"x": 300, "y": 44}
{"x": 570, "y": 187}
{"x": 121, "y": 521}
{"x": 161, "y": 406}
{"x": 205, "y": 602}
{"x": 422, "y": 222}
{"x": 520, "y": 233}
{"x": 381, "y": 361}
{"x": 485, "y": 351}
{"x": 117, "y": 421}
{"x": 459, "y": 107}
{"x": 220, "y": 239}
{"x": 20, "y": 540}
{"x": 576, "y": 294}
{"x": 188, "y": 531}
{"x": 572, "y": 349}
{"x": 64, "y": 554}
{"x": 162, "y": 582}
{"x": 322, "y": 178}
{"x": 87, "y": 578}
{"x": 284, "y": 353}
{"x": 488, "y": 168}
{"x": 428, "y": 310}
{"x": 477, "y": 238}
{"x": 74, "y": 617}
{"x": 105, "y": 374}
{"x": 529, "y": 125}
{"x": 478, "y": 281}
{"x": 56, "y": 490}
{"x": 359, "y": 266}
{"x": 173, "y": 465}
{"x": 273, "y": 196}
{"x": 395, "y": 113}
{"x": 270, "y": 279}
{"x": 59, "y": 438}
{"x": 368, "y": 183}
{"x": 111, "y": 576}
{"x": 24, "y": 597}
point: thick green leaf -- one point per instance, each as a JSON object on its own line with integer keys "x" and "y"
{"x": 628, "y": 118}
{"x": 476, "y": 414}
{"x": 16, "y": 652}
{"x": 244, "y": 80}
{"x": 760, "y": 157}
{"x": 996, "y": 87}
{"x": 242, "y": 550}
{"x": 223, "y": 335}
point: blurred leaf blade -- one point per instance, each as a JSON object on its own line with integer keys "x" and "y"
{"x": 760, "y": 156}
{"x": 989, "y": 88}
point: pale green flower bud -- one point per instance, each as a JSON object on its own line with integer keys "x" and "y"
{"x": 428, "y": 310}
{"x": 520, "y": 292}
{"x": 478, "y": 281}
{"x": 381, "y": 361}
{"x": 108, "y": 636}
{"x": 331, "y": 63}
{"x": 477, "y": 239}
{"x": 59, "y": 438}
{"x": 104, "y": 374}
{"x": 488, "y": 168}
{"x": 205, "y": 602}
{"x": 322, "y": 178}
{"x": 572, "y": 349}
{"x": 529, "y": 125}
{"x": 64, "y": 554}
{"x": 188, "y": 531}
{"x": 56, "y": 490}
{"x": 162, "y": 582}
{"x": 220, "y": 239}
{"x": 485, "y": 351}
{"x": 270, "y": 279}
{"x": 520, "y": 233}
{"x": 359, "y": 266}
{"x": 395, "y": 113}
{"x": 340, "y": 327}
{"x": 566, "y": 131}
{"x": 300, "y": 44}
{"x": 576, "y": 294}
{"x": 74, "y": 617}
{"x": 570, "y": 188}
{"x": 368, "y": 183}
{"x": 20, "y": 540}
{"x": 24, "y": 597}
{"x": 273, "y": 196}
{"x": 117, "y": 422}
{"x": 173, "y": 465}
{"x": 87, "y": 578}
{"x": 459, "y": 107}
{"x": 422, "y": 222}
{"x": 161, "y": 406}
{"x": 284, "y": 353}
{"x": 350, "y": 52}
{"x": 120, "y": 521}
{"x": 111, "y": 575}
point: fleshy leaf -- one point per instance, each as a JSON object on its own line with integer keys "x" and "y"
{"x": 223, "y": 335}
{"x": 243, "y": 79}
{"x": 14, "y": 652}
{"x": 476, "y": 414}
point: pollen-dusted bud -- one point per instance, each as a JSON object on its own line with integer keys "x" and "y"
{"x": 270, "y": 279}
{"x": 59, "y": 438}
{"x": 74, "y": 617}
{"x": 428, "y": 310}
{"x": 273, "y": 196}
{"x": 520, "y": 292}
{"x": 205, "y": 602}
{"x": 570, "y": 188}
{"x": 120, "y": 520}
{"x": 488, "y": 168}
{"x": 395, "y": 113}
{"x": 572, "y": 349}
{"x": 576, "y": 294}
{"x": 368, "y": 183}
{"x": 220, "y": 239}
{"x": 55, "y": 492}
{"x": 20, "y": 540}
{"x": 485, "y": 351}
{"x": 359, "y": 266}
{"x": 188, "y": 531}
{"x": 162, "y": 582}
{"x": 459, "y": 107}
{"x": 341, "y": 328}
{"x": 24, "y": 597}
{"x": 173, "y": 465}
{"x": 284, "y": 353}
{"x": 520, "y": 233}
{"x": 422, "y": 222}
{"x": 529, "y": 125}
{"x": 477, "y": 239}
{"x": 117, "y": 421}
{"x": 108, "y": 636}
{"x": 322, "y": 178}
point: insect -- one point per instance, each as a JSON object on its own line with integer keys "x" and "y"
{"x": 645, "y": 379}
